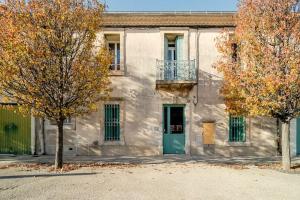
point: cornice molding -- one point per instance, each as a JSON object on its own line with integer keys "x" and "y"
{"x": 198, "y": 19}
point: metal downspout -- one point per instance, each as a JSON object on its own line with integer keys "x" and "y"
{"x": 197, "y": 64}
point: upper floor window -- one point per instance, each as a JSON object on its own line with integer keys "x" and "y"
{"x": 234, "y": 48}
{"x": 234, "y": 55}
{"x": 67, "y": 121}
{"x": 113, "y": 44}
{"x": 114, "y": 48}
{"x": 173, "y": 47}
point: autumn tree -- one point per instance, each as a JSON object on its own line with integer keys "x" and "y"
{"x": 49, "y": 64}
{"x": 261, "y": 64}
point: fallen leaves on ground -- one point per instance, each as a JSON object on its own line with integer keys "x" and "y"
{"x": 26, "y": 166}
{"x": 269, "y": 166}
{"x": 231, "y": 166}
{"x": 66, "y": 167}
{"x": 75, "y": 166}
{"x": 71, "y": 166}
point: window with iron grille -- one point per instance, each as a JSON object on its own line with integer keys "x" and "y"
{"x": 237, "y": 129}
{"x": 112, "y": 122}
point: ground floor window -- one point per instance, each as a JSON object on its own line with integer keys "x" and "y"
{"x": 112, "y": 122}
{"x": 67, "y": 121}
{"x": 237, "y": 129}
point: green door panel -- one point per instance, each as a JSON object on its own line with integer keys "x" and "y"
{"x": 298, "y": 136}
{"x": 174, "y": 129}
{"x": 174, "y": 144}
{"x": 15, "y": 132}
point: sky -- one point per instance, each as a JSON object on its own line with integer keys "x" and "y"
{"x": 171, "y": 5}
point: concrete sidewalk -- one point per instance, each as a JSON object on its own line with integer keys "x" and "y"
{"x": 10, "y": 159}
{"x": 168, "y": 181}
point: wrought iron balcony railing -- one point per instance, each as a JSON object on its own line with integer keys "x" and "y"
{"x": 175, "y": 70}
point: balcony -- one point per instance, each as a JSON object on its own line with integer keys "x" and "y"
{"x": 178, "y": 74}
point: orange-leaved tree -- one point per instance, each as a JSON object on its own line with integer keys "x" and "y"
{"x": 261, "y": 64}
{"x": 49, "y": 64}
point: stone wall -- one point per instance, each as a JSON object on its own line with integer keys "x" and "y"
{"x": 141, "y": 103}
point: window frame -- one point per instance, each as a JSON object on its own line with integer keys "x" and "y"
{"x": 117, "y": 61}
{"x": 111, "y": 123}
{"x": 105, "y": 39}
{"x": 240, "y": 139}
{"x": 68, "y": 125}
{"x": 67, "y": 121}
{"x": 112, "y": 100}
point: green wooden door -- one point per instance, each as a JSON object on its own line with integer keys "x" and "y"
{"x": 173, "y": 129}
{"x": 15, "y": 132}
{"x": 298, "y": 137}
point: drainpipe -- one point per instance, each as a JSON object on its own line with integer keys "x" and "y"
{"x": 124, "y": 51}
{"x": 197, "y": 66}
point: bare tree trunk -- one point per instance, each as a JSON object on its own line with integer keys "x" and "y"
{"x": 42, "y": 136}
{"x": 286, "y": 154}
{"x": 59, "y": 145}
{"x": 278, "y": 139}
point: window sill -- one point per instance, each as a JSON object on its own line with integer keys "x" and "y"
{"x": 238, "y": 144}
{"x": 66, "y": 127}
{"x": 117, "y": 73}
{"x": 112, "y": 143}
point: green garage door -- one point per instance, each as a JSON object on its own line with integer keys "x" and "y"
{"x": 15, "y": 132}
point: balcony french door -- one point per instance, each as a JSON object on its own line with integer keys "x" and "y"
{"x": 170, "y": 71}
{"x": 173, "y": 58}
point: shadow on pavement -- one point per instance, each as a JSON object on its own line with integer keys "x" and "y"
{"x": 45, "y": 175}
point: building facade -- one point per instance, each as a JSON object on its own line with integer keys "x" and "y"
{"x": 165, "y": 94}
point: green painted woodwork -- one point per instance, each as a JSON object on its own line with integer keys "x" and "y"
{"x": 166, "y": 42}
{"x": 112, "y": 122}
{"x": 237, "y": 129}
{"x": 180, "y": 68}
{"x": 179, "y": 47}
{"x": 15, "y": 132}
{"x": 298, "y": 137}
{"x": 173, "y": 129}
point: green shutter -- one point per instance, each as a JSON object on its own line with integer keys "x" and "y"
{"x": 112, "y": 122}
{"x": 237, "y": 129}
{"x": 179, "y": 48}
{"x": 180, "y": 68}
{"x": 166, "y": 42}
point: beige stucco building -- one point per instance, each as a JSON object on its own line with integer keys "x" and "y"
{"x": 165, "y": 97}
